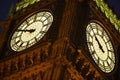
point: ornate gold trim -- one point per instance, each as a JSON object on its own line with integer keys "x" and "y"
{"x": 25, "y": 3}
{"x": 108, "y": 13}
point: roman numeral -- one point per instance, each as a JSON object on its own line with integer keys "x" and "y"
{"x": 107, "y": 41}
{"x": 21, "y": 44}
{"x": 98, "y": 61}
{"x": 108, "y": 64}
{"x": 17, "y": 41}
{"x": 35, "y": 17}
{"x": 111, "y": 59}
{"x": 47, "y": 24}
{"x": 27, "y": 22}
{"x": 104, "y": 66}
{"x": 110, "y": 51}
{"x": 93, "y": 52}
{"x": 27, "y": 44}
{"x": 42, "y": 32}
{"x": 15, "y": 37}
{"x": 47, "y": 18}
{"x": 102, "y": 34}
{"x": 35, "y": 39}
{"x": 90, "y": 43}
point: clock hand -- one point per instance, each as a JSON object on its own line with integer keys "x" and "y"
{"x": 97, "y": 40}
{"x": 99, "y": 44}
{"x": 30, "y": 31}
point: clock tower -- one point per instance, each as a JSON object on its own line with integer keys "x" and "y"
{"x": 60, "y": 40}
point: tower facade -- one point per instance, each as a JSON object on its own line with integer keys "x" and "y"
{"x": 60, "y": 40}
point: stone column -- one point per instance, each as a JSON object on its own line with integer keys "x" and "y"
{"x": 60, "y": 46}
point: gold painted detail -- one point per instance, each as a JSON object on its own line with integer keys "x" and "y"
{"x": 81, "y": 69}
{"x": 77, "y": 65}
{"x": 25, "y": 3}
{"x": 33, "y": 66}
{"x": 108, "y": 13}
{"x": 28, "y": 64}
{"x": 33, "y": 73}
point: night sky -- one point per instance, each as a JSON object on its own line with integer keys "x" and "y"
{"x": 115, "y": 5}
{"x": 4, "y": 9}
{"x": 5, "y": 6}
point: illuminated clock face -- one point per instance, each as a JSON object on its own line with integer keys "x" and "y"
{"x": 100, "y": 47}
{"x": 31, "y": 31}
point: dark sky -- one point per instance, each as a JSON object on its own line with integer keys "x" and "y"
{"x": 4, "y": 9}
{"x": 5, "y": 6}
{"x": 115, "y": 4}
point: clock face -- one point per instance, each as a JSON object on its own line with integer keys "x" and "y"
{"x": 31, "y": 31}
{"x": 100, "y": 47}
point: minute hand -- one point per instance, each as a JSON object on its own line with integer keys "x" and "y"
{"x": 99, "y": 44}
{"x": 30, "y": 31}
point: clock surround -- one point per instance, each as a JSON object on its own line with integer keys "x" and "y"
{"x": 30, "y": 31}
{"x": 100, "y": 46}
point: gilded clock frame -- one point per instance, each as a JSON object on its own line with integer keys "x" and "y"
{"x": 25, "y": 18}
{"x": 112, "y": 42}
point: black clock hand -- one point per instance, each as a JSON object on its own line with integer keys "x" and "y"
{"x": 30, "y": 31}
{"x": 99, "y": 44}
{"x": 97, "y": 40}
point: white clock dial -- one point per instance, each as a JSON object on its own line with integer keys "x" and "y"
{"x": 100, "y": 47}
{"x": 31, "y": 31}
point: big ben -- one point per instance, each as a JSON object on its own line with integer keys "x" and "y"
{"x": 60, "y": 40}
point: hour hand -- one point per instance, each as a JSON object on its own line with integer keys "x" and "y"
{"x": 30, "y": 30}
